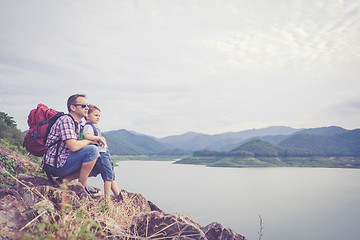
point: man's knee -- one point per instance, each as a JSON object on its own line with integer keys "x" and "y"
{"x": 92, "y": 162}
{"x": 93, "y": 153}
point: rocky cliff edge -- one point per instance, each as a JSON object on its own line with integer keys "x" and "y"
{"x": 31, "y": 208}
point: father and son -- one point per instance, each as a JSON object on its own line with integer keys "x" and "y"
{"x": 79, "y": 157}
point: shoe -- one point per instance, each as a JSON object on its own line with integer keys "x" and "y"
{"x": 93, "y": 191}
{"x": 117, "y": 198}
{"x": 59, "y": 180}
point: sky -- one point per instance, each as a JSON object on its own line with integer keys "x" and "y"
{"x": 167, "y": 67}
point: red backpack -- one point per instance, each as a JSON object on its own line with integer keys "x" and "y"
{"x": 40, "y": 121}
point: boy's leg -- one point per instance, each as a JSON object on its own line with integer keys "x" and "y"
{"x": 106, "y": 168}
{"x": 107, "y": 189}
{"x": 114, "y": 188}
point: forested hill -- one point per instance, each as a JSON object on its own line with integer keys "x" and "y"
{"x": 197, "y": 141}
{"x": 327, "y": 131}
{"x": 123, "y": 142}
{"x": 346, "y": 143}
{"x": 258, "y": 148}
{"x": 258, "y": 153}
{"x": 9, "y": 131}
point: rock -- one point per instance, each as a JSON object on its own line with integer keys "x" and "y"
{"x": 153, "y": 207}
{"x": 42, "y": 207}
{"x": 111, "y": 224}
{"x": 44, "y": 204}
{"x": 137, "y": 200}
{"x": 34, "y": 180}
{"x": 215, "y": 231}
{"x": 29, "y": 198}
{"x": 12, "y": 218}
{"x": 78, "y": 189}
{"x": 157, "y": 224}
{"x": 9, "y": 223}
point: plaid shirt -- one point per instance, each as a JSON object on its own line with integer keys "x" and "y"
{"x": 64, "y": 128}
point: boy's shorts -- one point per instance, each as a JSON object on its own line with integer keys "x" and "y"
{"x": 75, "y": 160}
{"x": 105, "y": 166}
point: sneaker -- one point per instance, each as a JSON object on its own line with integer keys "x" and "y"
{"x": 59, "y": 180}
{"x": 117, "y": 198}
{"x": 93, "y": 191}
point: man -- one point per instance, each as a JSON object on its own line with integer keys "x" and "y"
{"x": 68, "y": 157}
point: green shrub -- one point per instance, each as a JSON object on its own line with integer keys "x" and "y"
{"x": 9, "y": 164}
{"x": 4, "y": 142}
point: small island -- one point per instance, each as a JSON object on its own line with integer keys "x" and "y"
{"x": 259, "y": 153}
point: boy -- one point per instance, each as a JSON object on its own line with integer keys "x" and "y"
{"x": 105, "y": 165}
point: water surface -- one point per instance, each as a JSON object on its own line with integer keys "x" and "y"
{"x": 295, "y": 203}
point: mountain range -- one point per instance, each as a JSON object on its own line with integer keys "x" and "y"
{"x": 332, "y": 140}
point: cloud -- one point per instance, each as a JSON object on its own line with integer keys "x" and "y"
{"x": 173, "y": 66}
{"x": 346, "y": 102}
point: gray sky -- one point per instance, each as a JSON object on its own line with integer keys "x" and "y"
{"x": 167, "y": 67}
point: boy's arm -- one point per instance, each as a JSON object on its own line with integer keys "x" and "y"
{"x": 89, "y": 136}
{"x": 99, "y": 140}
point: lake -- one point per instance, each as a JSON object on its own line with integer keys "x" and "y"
{"x": 294, "y": 203}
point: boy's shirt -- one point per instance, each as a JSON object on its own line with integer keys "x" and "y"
{"x": 88, "y": 129}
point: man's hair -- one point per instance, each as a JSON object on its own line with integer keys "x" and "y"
{"x": 72, "y": 100}
{"x": 93, "y": 108}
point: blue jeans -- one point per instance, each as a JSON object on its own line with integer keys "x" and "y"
{"x": 105, "y": 166}
{"x": 75, "y": 160}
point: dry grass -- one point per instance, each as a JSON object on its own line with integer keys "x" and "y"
{"x": 91, "y": 219}
{"x": 62, "y": 214}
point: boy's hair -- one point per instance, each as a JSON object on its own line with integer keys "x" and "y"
{"x": 72, "y": 100}
{"x": 93, "y": 108}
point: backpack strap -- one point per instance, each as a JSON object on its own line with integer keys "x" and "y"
{"x": 94, "y": 128}
{"x": 48, "y": 174}
{"x": 57, "y": 142}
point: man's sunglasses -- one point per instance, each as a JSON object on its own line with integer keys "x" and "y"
{"x": 83, "y": 105}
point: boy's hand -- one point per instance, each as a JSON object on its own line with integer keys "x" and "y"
{"x": 102, "y": 142}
